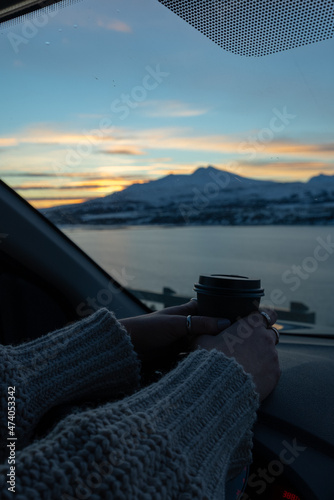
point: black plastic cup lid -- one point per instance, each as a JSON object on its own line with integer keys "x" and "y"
{"x": 225, "y": 283}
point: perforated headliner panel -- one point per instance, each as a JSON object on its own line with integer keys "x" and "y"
{"x": 258, "y": 27}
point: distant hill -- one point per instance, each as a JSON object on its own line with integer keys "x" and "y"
{"x": 207, "y": 196}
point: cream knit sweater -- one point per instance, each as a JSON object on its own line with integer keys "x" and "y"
{"x": 179, "y": 438}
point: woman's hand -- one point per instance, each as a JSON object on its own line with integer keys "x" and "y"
{"x": 249, "y": 340}
{"x": 165, "y": 332}
{"x": 252, "y": 344}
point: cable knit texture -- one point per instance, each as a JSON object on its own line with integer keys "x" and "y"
{"x": 179, "y": 438}
{"x": 90, "y": 358}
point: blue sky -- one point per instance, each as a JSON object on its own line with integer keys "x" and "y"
{"x": 105, "y": 93}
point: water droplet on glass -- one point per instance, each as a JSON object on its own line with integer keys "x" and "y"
{"x": 47, "y": 43}
{"x": 75, "y": 25}
{"x": 60, "y": 29}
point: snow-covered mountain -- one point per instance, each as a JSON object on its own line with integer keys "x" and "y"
{"x": 207, "y": 196}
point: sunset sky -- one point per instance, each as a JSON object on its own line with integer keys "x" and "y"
{"x": 106, "y": 93}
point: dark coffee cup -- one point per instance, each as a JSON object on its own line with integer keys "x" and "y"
{"x": 228, "y": 296}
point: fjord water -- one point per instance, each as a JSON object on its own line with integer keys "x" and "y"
{"x": 295, "y": 263}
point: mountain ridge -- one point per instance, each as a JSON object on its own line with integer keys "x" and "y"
{"x": 207, "y": 196}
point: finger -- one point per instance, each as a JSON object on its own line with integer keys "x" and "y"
{"x": 182, "y": 310}
{"x": 270, "y": 314}
{"x": 274, "y": 334}
{"x": 199, "y": 325}
{"x": 205, "y": 325}
{"x": 255, "y": 319}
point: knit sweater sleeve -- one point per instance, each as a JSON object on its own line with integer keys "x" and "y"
{"x": 91, "y": 358}
{"x": 179, "y": 438}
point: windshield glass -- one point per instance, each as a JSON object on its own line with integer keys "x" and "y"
{"x": 165, "y": 157}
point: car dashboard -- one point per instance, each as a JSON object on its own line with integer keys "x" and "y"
{"x": 293, "y": 455}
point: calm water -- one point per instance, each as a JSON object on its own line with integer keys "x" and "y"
{"x": 288, "y": 259}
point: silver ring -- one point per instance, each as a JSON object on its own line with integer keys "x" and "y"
{"x": 276, "y": 332}
{"x": 267, "y": 318}
{"x": 189, "y": 325}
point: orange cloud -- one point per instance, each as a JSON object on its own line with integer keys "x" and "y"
{"x": 124, "y": 141}
{"x": 284, "y": 171}
{"x": 47, "y": 202}
{"x": 83, "y": 185}
{"x": 125, "y": 151}
{"x": 40, "y": 136}
{"x": 291, "y": 148}
{"x": 81, "y": 20}
{"x": 171, "y": 109}
{"x": 281, "y": 159}
{"x": 115, "y": 25}
{"x": 99, "y": 174}
{"x": 6, "y": 142}
{"x": 88, "y": 189}
{"x": 162, "y": 139}
{"x": 104, "y": 184}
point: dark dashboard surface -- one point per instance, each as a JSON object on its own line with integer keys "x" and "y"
{"x": 305, "y": 393}
{"x": 294, "y": 434}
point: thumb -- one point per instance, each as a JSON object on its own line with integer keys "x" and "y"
{"x": 205, "y": 325}
{"x": 182, "y": 310}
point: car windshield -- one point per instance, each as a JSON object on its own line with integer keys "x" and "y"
{"x": 166, "y": 157}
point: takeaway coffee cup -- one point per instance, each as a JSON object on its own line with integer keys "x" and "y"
{"x": 228, "y": 296}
